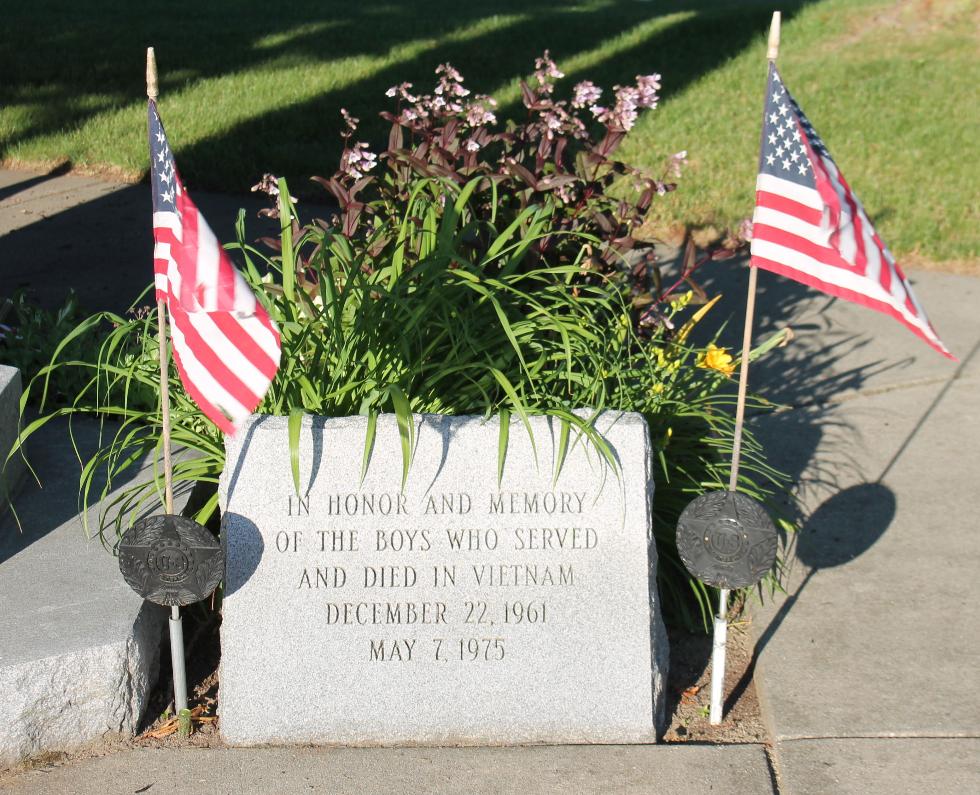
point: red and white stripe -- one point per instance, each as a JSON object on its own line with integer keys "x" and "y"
{"x": 225, "y": 345}
{"x": 823, "y": 238}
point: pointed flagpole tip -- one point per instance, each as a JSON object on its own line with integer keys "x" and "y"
{"x": 773, "y": 51}
{"x": 151, "y": 74}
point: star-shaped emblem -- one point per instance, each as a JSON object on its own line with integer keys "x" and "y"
{"x": 170, "y": 560}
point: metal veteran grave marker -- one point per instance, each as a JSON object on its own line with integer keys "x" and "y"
{"x": 457, "y": 610}
{"x": 171, "y": 560}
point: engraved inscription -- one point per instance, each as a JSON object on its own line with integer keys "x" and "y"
{"x": 368, "y": 575}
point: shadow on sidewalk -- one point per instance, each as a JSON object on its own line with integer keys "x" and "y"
{"x": 41, "y": 509}
{"x": 30, "y": 181}
{"x": 103, "y": 248}
{"x": 844, "y": 526}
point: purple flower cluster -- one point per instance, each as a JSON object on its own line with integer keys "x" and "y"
{"x": 629, "y": 101}
{"x": 447, "y": 99}
{"x": 676, "y": 163}
{"x": 350, "y": 122}
{"x": 478, "y": 113}
{"x": 586, "y": 94}
{"x": 546, "y": 72}
{"x": 401, "y": 91}
{"x": 450, "y": 82}
{"x": 561, "y": 156}
{"x": 357, "y": 160}
{"x": 269, "y": 185}
{"x": 557, "y": 154}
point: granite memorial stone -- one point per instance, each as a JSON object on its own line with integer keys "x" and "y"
{"x": 457, "y": 610}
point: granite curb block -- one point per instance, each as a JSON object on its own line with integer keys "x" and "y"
{"x": 63, "y": 702}
{"x": 571, "y": 770}
{"x": 10, "y": 391}
{"x": 79, "y": 651}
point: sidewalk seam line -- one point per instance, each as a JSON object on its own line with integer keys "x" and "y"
{"x": 896, "y": 736}
{"x": 873, "y": 392}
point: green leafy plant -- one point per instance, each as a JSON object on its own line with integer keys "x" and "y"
{"x": 30, "y": 334}
{"x": 452, "y": 284}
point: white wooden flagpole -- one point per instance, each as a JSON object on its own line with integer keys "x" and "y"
{"x": 721, "y": 620}
{"x": 176, "y": 625}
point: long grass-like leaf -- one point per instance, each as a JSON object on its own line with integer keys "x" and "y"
{"x": 406, "y": 428}
{"x": 369, "y": 436}
{"x": 563, "y": 437}
{"x": 295, "y": 425}
{"x": 502, "y": 439}
{"x": 518, "y": 406}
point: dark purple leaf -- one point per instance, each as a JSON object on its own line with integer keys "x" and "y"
{"x": 560, "y": 145}
{"x": 553, "y": 181}
{"x": 610, "y": 142}
{"x": 528, "y": 95}
{"x": 643, "y": 204}
{"x": 341, "y": 195}
{"x": 352, "y": 217}
{"x": 517, "y": 170}
{"x": 396, "y": 138}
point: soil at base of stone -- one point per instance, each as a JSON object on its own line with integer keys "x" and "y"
{"x": 689, "y": 689}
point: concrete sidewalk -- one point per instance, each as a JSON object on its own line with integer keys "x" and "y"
{"x": 635, "y": 769}
{"x": 866, "y": 669}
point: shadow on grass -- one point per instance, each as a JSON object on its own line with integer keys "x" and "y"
{"x": 89, "y": 60}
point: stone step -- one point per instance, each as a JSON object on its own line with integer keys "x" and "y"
{"x": 79, "y": 650}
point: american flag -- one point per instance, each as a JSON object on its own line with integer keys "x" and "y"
{"x": 809, "y": 225}
{"x": 225, "y": 344}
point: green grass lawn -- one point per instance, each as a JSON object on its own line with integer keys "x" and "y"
{"x": 248, "y": 88}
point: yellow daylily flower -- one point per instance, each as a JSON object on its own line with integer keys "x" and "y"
{"x": 715, "y": 358}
